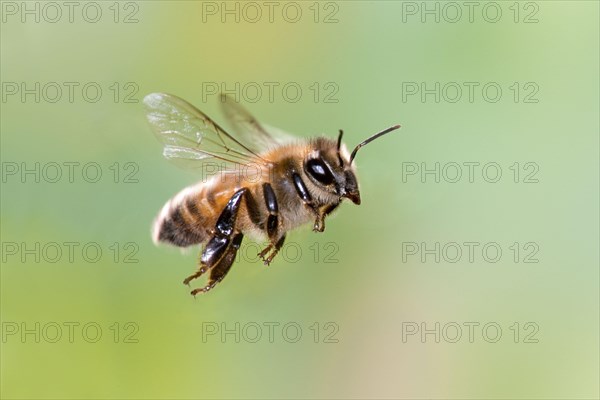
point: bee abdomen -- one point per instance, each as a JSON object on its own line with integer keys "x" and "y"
{"x": 180, "y": 223}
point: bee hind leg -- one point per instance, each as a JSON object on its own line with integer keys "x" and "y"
{"x": 221, "y": 246}
{"x": 218, "y": 272}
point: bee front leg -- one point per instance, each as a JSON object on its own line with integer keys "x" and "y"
{"x": 221, "y": 244}
{"x": 319, "y": 225}
{"x": 304, "y": 194}
{"x": 322, "y": 212}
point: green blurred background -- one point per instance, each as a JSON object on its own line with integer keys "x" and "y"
{"x": 364, "y": 55}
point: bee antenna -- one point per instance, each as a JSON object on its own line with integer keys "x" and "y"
{"x": 375, "y": 136}
{"x": 339, "y": 144}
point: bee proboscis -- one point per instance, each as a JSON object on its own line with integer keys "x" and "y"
{"x": 294, "y": 181}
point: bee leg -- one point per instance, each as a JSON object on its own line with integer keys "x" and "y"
{"x": 321, "y": 214}
{"x": 272, "y": 225}
{"x": 217, "y": 246}
{"x": 273, "y": 248}
{"x": 218, "y": 272}
{"x": 319, "y": 225}
{"x": 265, "y": 251}
{"x": 304, "y": 194}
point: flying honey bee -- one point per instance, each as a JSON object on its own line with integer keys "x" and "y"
{"x": 293, "y": 181}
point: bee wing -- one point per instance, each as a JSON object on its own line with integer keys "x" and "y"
{"x": 191, "y": 138}
{"x": 245, "y": 125}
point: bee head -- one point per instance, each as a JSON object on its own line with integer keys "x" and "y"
{"x": 330, "y": 166}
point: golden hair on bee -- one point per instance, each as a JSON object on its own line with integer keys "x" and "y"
{"x": 293, "y": 182}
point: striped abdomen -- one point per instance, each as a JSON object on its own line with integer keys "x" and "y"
{"x": 189, "y": 218}
{"x": 180, "y": 221}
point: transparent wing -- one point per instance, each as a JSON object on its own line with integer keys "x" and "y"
{"x": 259, "y": 137}
{"x": 191, "y": 139}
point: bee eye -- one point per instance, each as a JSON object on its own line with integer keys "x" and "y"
{"x": 320, "y": 171}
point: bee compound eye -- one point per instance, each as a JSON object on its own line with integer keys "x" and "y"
{"x": 320, "y": 171}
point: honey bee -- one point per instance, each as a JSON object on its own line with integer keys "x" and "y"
{"x": 294, "y": 181}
